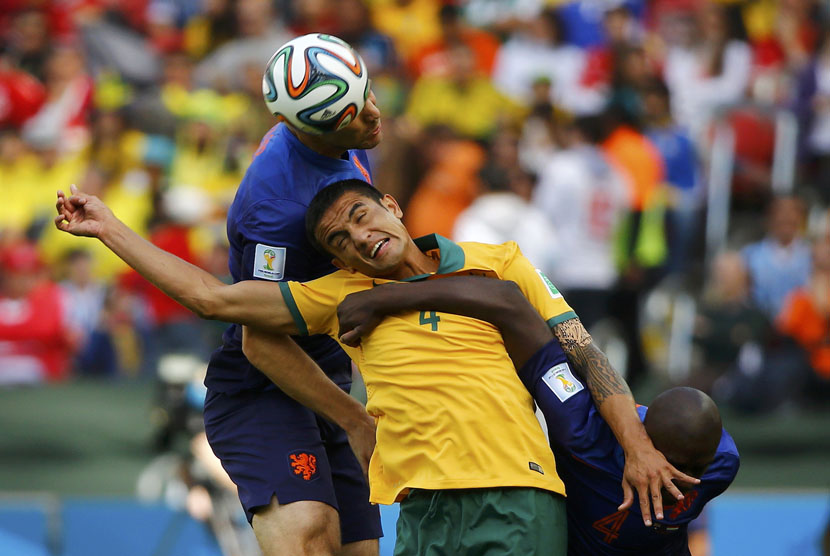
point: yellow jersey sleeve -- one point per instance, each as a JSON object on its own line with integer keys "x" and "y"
{"x": 313, "y": 304}
{"x": 536, "y": 287}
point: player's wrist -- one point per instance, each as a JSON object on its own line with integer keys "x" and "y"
{"x": 635, "y": 440}
{"x": 355, "y": 418}
{"x": 110, "y": 230}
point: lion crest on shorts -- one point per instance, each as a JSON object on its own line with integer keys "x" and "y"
{"x": 304, "y": 465}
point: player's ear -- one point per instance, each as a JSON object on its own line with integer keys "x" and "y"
{"x": 391, "y": 204}
{"x": 342, "y": 266}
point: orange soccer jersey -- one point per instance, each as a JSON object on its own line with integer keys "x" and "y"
{"x": 801, "y": 320}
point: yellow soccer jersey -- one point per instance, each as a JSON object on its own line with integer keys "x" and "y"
{"x": 451, "y": 411}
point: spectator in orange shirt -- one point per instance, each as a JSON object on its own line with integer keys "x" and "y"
{"x": 795, "y": 367}
{"x": 638, "y": 157}
{"x": 641, "y": 242}
{"x": 449, "y": 185}
{"x": 433, "y": 58}
{"x": 805, "y": 316}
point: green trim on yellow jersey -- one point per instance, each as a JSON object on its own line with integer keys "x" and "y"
{"x": 288, "y": 297}
{"x": 452, "y": 255}
{"x": 561, "y": 318}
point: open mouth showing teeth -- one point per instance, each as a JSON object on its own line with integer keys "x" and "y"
{"x": 377, "y": 247}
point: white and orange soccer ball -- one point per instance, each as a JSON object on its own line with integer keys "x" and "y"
{"x": 316, "y": 82}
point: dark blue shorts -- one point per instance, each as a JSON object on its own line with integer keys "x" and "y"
{"x": 271, "y": 445}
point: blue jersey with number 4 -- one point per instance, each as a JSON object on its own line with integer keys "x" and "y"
{"x": 266, "y": 231}
{"x": 590, "y": 462}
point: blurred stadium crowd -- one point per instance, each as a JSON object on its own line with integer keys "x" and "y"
{"x": 666, "y": 162}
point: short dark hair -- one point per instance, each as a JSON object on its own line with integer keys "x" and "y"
{"x": 326, "y": 197}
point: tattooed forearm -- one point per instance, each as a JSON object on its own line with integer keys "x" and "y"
{"x": 589, "y": 361}
{"x": 571, "y": 335}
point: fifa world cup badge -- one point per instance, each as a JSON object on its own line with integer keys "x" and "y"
{"x": 269, "y": 262}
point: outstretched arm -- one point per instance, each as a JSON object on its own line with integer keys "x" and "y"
{"x": 646, "y": 469}
{"x": 252, "y": 303}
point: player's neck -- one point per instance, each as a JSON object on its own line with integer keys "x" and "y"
{"x": 415, "y": 263}
{"x": 316, "y": 144}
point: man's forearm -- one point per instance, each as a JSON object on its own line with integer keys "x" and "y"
{"x": 289, "y": 367}
{"x": 498, "y": 302}
{"x": 186, "y": 283}
{"x": 250, "y": 302}
{"x": 480, "y": 298}
{"x": 610, "y": 392}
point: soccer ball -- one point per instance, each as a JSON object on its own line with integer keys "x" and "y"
{"x": 317, "y": 82}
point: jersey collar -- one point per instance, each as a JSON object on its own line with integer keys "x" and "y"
{"x": 452, "y": 255}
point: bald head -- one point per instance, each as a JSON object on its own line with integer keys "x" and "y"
{"x": 685, "y": 425}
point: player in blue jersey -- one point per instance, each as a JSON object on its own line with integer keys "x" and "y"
{"x": 683, "y": 423}
{"x": 282, "y": 437}
{"x": 265, "y": 434}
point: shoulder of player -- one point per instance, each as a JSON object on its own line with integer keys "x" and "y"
{"x": 251, "y": 212}
{"x": 727, "y": 460}
{"x": 475, "y": 248}
{"x": 488, "y": 257}
{"x": 342, "y": 280}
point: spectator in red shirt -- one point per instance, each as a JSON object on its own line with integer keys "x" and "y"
{"x": 21, "y": 95}
{"x": 62, "y": 120}
{"x": 36, "y": 339}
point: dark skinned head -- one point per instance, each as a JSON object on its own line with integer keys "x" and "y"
{"x": 684, "y": 424}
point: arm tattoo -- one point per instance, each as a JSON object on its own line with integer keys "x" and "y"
{"x": 602, "y": 380}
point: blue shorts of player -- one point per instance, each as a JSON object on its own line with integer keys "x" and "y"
{"x": 270, "y": 445}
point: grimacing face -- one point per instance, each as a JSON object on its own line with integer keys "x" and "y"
{"x": 363, "y": 235}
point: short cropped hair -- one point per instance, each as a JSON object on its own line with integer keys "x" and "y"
{"x": 326, "y": 197}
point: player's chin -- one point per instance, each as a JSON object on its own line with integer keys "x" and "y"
{"x": 372, "y": 141}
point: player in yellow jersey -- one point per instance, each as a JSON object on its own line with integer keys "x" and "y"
{"x": 451, "y": 411}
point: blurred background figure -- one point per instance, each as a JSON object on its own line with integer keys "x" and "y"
{"x": 61, "y": 122}
{"x": 259, "y": 30}
{"x": 37, "y": 337}
{"x": 781, "y": 261}
{"x": 680, "y": 160}
{"x": 708, "y": 64}
{"x": 462, "y": 98}
{"x": 700, "y": 540}
{"x": 87, "y": 297}
{"x": 730, "y": 330}
{"x": 504, "y": 210}
{"x": 812, "y": 103}
{"x": 584, "y": 198}
{"x": 449, "y": 185}
{"x": 805, "y": 317}
{"x": 537, "y": 50}
{"x": 433, "y": 58}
